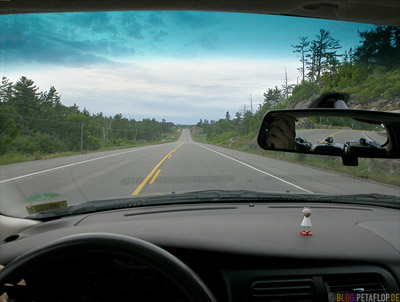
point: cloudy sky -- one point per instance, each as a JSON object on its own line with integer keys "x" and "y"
{"x": 181, "y": 66}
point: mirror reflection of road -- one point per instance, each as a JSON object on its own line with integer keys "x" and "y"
{"x": 182, "y": 166}
{"x": 316, "y": 136}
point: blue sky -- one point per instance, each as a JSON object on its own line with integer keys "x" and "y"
{"x": 181, "y": 66}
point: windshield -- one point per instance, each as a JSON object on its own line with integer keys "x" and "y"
{"x": 111, "y": 105}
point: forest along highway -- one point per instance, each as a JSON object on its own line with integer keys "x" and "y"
{"x": 182, "y": 166}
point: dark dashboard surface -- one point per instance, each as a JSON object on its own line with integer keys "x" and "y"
{"x": 234, "y": 247}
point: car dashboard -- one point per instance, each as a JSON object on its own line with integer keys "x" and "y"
{"x": 242, "y": 251}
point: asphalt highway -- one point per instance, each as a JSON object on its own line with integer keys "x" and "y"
{"x": 182, "y": 166}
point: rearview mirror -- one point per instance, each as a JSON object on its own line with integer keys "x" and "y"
{"x": 337, "y": 132}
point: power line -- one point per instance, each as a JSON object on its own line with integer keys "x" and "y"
{"x": 65, "y": 122}
{"x": 38, "y": 118}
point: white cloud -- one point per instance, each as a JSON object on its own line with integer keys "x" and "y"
{"x": 182, "y": 91}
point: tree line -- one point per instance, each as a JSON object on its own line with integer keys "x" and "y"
{"x": 34, "y": 121}
{"x": 368, "y": 72}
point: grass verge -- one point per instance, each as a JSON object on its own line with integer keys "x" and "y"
{"x": 12, "y": 158}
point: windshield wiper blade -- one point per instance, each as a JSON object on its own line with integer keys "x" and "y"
{"x": 212, "y": 196}
{"x": 364, "y": 199}
{"x": 189, "y": 197}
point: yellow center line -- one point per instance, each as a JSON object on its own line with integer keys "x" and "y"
{"x": 144, "y": 182}
{"x": 154, "y": 177}
{"x": 331, "y": 135}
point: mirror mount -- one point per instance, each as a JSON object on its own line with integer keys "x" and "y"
{"x": 336, "y": 100}
{"x": 350, "y": 160}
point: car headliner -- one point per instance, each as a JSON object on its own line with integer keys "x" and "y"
{"x": 381, "y": 12}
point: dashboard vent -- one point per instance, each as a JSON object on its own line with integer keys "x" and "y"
{"x": 355, "y": 284}
{"x": 11, "y": 238}
{"x": 282, "y": 290}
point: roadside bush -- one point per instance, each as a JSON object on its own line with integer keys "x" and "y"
{"x": 120, "y": 142}
{"x": 392, "y": 84}
{"x": 8, "y": 131}
{"x": 39, "y": 143}
{"x": 222, "y": 138}
{"x": 47, "y": 145}
{"x": 304, "y": 91}
{"x": 92, "y": 143}
{"x": 24, "y": 144}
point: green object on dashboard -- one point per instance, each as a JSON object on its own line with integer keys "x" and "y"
{"x": 42, "y": 196}
{"x": 46, "y": 206}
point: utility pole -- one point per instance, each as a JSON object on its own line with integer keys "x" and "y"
{"x": 286, "y": 85}
{"x": 81, "y": 137}
{"x": 244, "y": 109}
{"x": 251, "y": 103}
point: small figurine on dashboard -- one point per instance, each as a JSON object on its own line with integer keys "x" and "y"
{"x": 306, "y": 222}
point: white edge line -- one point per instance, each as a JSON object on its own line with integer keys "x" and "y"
{"x": 72, "y": 164}
{"x": 366, "y": 136}
{"x": 258, "y": 170}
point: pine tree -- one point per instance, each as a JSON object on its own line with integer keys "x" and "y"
{"x": 380, "y": 46}
{"x": 322, "y": 51}
{"x": 26, "y": 97}
{"x": 302, "y": 49}
{"x": 6, "y": 90}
